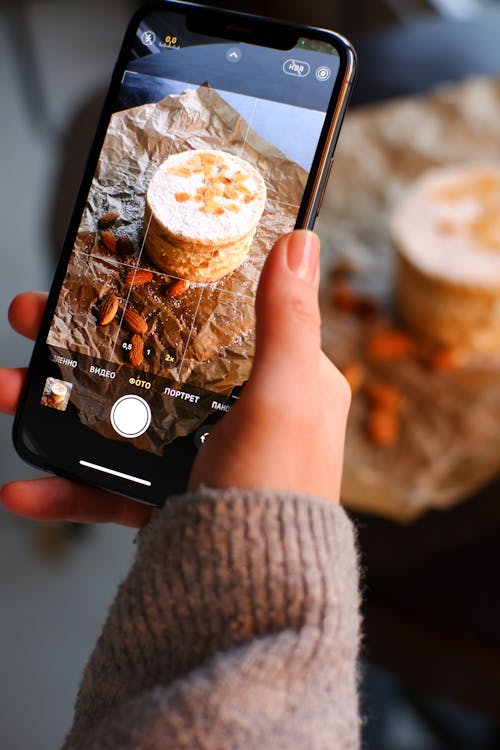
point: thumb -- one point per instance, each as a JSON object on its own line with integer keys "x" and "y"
{"x": 288, "y": 337}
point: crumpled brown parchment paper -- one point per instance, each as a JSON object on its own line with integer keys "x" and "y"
{"x": 449, "y": 445}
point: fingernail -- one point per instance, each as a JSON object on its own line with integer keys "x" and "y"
{"x": 302, "y": 254}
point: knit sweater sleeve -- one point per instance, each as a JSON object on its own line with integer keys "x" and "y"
{"x": 237, "y": 627}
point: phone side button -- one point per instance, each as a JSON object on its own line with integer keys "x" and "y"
{"x": 130, "y": 416}
{"x": 325, "y": 183}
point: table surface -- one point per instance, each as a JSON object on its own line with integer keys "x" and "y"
{"x": 416, "y": 57}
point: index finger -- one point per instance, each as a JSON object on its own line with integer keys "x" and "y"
{"x": 58, "y": 499}
{"x": 26, "y": 312}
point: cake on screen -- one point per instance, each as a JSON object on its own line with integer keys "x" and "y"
{"x": 202, "y": 210}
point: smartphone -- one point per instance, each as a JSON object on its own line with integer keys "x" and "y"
{"x": 216, "y": 138}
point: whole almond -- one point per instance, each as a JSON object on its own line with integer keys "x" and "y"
{"x": 136, "y": 354}
{"x": 124, "y": 245}
{"x": 138, "y": 277}
{"x": 108, "y": 309}
{"x": 178, "y": 287}
{"x": 135, "y": 322}
{"x": 107, "y": 219}
{"x": 109, "y": 241}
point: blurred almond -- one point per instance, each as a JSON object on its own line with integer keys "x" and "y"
{"x": 344, "y": 298}
{"x": 383, "y": 426}
{"x": 341, "y": 268}
{"x": 385, "y": 395}
{"x": 354, "y": 373}
{"x": 391, "y": 344}
{"x": 446, "y": 359}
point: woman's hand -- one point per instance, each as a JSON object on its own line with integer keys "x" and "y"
{"x": 53, "y": 498}
{"x": 286, "y": 432}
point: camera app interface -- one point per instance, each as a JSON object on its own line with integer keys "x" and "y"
{"x": 203, "y": 167}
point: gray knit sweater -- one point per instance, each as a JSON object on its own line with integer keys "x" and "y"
{"x": 237, "y": 628}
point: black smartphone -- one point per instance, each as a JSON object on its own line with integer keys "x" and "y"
{"x": 216, "y": 138}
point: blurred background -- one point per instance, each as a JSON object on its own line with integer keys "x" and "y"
{"x": 431, "y": 664}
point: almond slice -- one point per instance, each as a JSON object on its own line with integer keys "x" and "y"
{"x": 181, "y": 171}
{"x": 194, "y": 163}
{"x": 211, "y": 206}
{"x": 209, "y": 195}
{"x": 208, "y": 158}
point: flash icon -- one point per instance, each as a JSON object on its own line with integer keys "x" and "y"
{"x": 148, "y": 38}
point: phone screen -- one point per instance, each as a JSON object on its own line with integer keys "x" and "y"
{"x": 209, "y": 147}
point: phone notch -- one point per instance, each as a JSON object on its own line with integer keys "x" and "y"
{"x": 241, "y": 28}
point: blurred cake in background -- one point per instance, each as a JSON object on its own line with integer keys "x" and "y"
{"x": 446, "y": 232}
